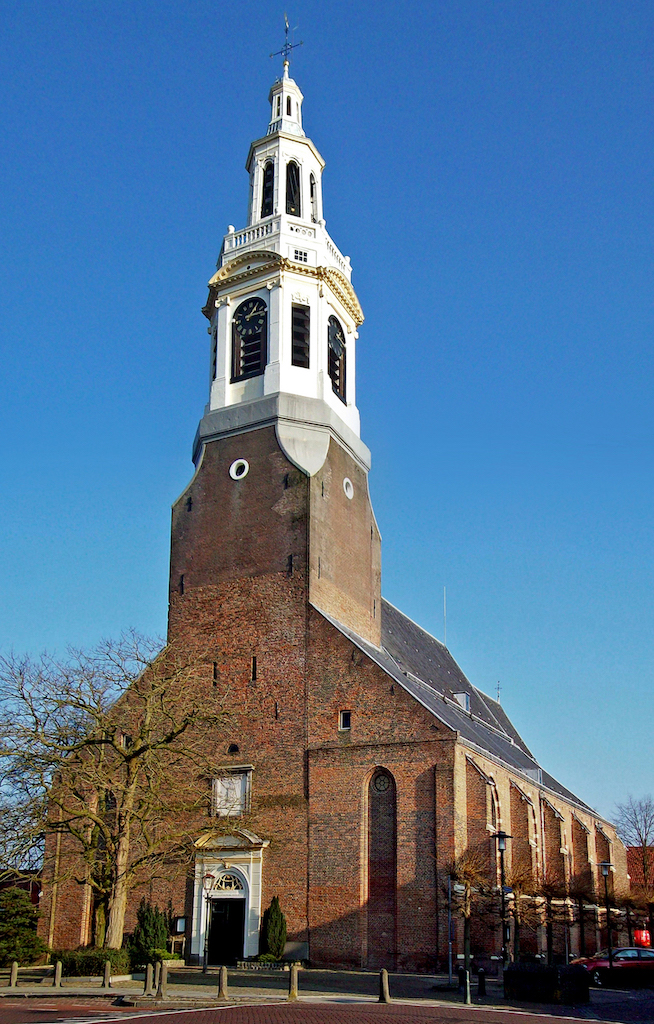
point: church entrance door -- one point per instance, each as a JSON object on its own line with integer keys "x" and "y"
{"x": 226, "y": 931}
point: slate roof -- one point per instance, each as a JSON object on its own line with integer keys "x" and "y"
{"x": 424, "y": 667}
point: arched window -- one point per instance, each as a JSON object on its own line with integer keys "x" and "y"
{"x": 293, "y": 189}
{"x": 279, "y": 106}
{"x": 288, "y": 106}
{"x": 382, "y": 870}
{"x": 336, "y": 356}
{"x": 313, "y": 193}
{"x": 268, "y": 189}
{"x": 249, "y": 339}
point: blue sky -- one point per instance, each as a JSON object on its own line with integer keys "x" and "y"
{"x": 489, "y": 171}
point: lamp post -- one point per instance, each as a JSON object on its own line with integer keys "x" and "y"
{"x": 606, "y": 867}
{"x": 207, "y": 885}
{"x": 502, "y": 837}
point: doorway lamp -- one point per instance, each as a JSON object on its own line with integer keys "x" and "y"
{"x": 606, "y": 866}
{"x": 502, "y": 837}
{"x": 207, "y": 886}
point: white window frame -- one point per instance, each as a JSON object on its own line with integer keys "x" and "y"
{"x": 226, "y": 799}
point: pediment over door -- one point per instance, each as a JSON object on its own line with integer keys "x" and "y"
{"x": 237, "y": 839}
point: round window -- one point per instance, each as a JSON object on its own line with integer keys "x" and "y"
{"x": 381, "y": 783}
{"x": 239, "y": 469}
{"x": 348, "y": 487}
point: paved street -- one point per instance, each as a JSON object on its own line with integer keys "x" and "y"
{"x": 326, "y": 997}
{"x": 275, "y": 1013}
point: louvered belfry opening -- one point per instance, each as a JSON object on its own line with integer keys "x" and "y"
{"x": 336, "y": 356}
{"x": 301, "y": 324}
{"x": 382, "y": 870}
{"x": 268, "y": 189}
{"x": 293, "y": 189}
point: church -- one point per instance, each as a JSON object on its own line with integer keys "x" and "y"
{"x": 359, "y": 763}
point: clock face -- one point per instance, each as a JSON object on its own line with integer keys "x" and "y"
{"x": 336, "y": 337}
{"x": 250, "y": 317}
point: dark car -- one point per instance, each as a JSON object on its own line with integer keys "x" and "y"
{"x": 630, "y": 966}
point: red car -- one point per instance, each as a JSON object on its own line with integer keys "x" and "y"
{"x": 631, "y": 966}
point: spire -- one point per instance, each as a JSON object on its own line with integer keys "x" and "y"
{"x": 285, "y": 96}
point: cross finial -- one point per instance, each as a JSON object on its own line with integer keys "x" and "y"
{"x": 286, "y": 49}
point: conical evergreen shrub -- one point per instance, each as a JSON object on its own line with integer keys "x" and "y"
{"x": 18, "y": 938}
{"x": 274, "y": 929}
{"x": 150, "y": 936}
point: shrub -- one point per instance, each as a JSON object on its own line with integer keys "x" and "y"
{"x": 88, "y": 961}
{"x": 274, "y": 930}
{"x": 165, "y": 954}
{"x": 150, "y": 935}
{"x": 18, "y": 938}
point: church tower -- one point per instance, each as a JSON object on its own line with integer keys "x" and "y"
{"x": 281, "y": 484}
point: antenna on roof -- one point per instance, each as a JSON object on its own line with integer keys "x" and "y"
{"x": 498, "y": 692}
{"x": 444, "y": 617}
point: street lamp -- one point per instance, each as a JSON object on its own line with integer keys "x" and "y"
{"x": 606, "y": 867}
{"x": 501, "y": 845}
{"x": 207, "y": 886}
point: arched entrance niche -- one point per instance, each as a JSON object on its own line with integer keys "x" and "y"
{"x": 382, "y": 870}
{"x": 226, "y": 904}
{"x": 227, "y": 897}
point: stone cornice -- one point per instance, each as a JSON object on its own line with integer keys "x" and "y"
{"x": 260, "y": 262}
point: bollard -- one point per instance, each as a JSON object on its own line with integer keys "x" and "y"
{"x": 222, "y": 983}
{"x": 157, "y": 975}
{"x": 384, "y": 993}
{"x": 13, "y": 977}
{"x": 106, "y": 981}
{"x": 162, "y": 990}
{"x": 467, "y": 999}
{"x": 147, "y": 984}
{"x": 57, "y": 975}
{"x": 481, "y": 982}
{"x": 293, "y": 983}
{"x": 461, "y": 972}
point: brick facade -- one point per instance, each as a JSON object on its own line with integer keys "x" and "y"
{"x": 358, "y": 863}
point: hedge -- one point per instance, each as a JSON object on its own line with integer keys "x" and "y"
{"x": 89, "y": 962}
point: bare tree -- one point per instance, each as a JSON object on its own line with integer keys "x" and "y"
{"x": 469, "y": 872}
{"x": 582, "y": 892}
{"x": 523, "y": 907}
{"x": 107, "y": 751}
{"x": 554, "y": 894}
{"x": 634, "y": 821}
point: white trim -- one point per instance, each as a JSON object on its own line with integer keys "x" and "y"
{"x": 248, "y": 865}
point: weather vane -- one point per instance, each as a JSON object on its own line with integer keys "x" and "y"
{"x": 286, "y": 49}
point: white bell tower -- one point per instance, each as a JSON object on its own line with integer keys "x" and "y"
{"x": 283, "y": 314}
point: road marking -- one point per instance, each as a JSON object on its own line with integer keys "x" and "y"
{"x": 158, "y": 1013}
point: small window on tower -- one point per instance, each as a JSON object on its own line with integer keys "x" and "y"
{"x": 288, "y": 106}
{"x": 293, "y": 189}
{"x": 345, "y": 721}
{"x": 268, "y": 189}
{"x": 336, "y": 354}
{"x": 301, "y": 321}
{"x": 313, "y": 194}
{"x": 279, "y": 106}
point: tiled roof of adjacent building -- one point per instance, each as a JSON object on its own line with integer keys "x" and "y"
{"x": 424, "y": 667}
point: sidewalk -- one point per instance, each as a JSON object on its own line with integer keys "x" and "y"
{"x": 188, "y": 989}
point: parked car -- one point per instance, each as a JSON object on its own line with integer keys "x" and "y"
{"x": 631, "y": 966}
